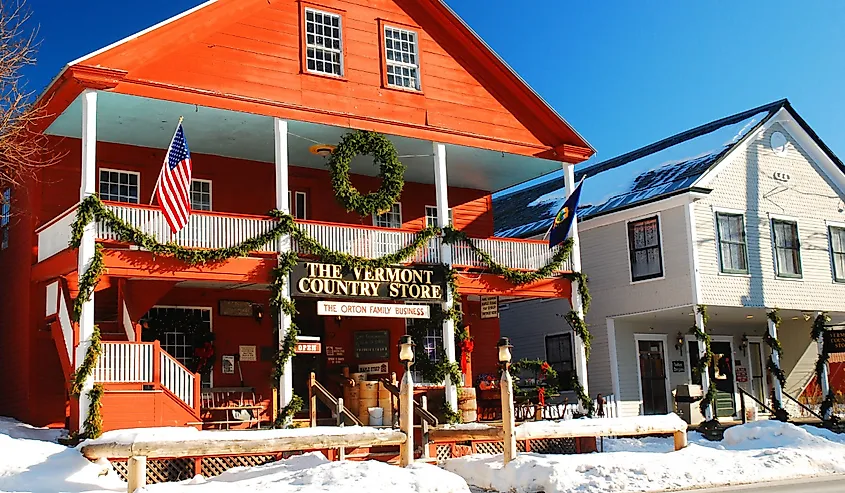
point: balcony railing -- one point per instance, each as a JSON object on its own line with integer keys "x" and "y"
{"x": 218, "y": 230}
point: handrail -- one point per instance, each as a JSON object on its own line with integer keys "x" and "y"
{"x": 742, "y": 394}
{"x": 316, "y": 390}
{"x": 418, "y": 409}
{"x": 803, "y": 406}
{"x": 56, "y": 218}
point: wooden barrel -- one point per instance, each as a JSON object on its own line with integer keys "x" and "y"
{"x": 351, "y": 398}
{"x": 387, "y": 405}
{"x": 467, "y": 405}
{"x": 367, "y": 398}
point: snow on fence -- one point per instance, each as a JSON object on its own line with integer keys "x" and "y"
{"x": 566, "y": 410}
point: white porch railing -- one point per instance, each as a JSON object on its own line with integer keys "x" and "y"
{"x": 146, "y": 362}
{"x": 214, "y": 230}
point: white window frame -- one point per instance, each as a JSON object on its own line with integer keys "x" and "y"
{"x": 450, "y": 221}
{"x": 375, "y": 218}
{"x": 210, "y": 194}
{"x": 418, "y": 380}
{"x": 210, "y": 311}
{"x": 829, "y": 225}
{"x": 664, "y": 338}
{"x": 736, "y": 212}
{"x": 399, "y": 64}
{"x": 296, "y": 213}
{"x": 751, "y": 374}
{"x": 316, "y": 47}
{"x": 792, "y": 219}
{"x": 662, "y": 250}
{"x": 128, "y": 172}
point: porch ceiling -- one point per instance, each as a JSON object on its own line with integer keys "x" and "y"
{"x": 683, "y": 318}
{"x": 150, "y": 123}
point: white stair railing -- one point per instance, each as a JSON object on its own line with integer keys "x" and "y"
{"x": 177, "y": 379}
{"x": 125, "y": 362}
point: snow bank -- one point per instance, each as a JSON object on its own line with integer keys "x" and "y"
{"x": 760, "y": 451}
{"x": 636, "y": 425}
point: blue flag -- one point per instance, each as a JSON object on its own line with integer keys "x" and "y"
{"x": 563, "y": 219}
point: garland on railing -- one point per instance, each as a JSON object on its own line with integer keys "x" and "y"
{"x": 817, "y": 334}
{"x": 546, "y": 379}
{"x": 585, "y": 400}
{"x": 92, "y": 426}
{"x": 703, "y": 364}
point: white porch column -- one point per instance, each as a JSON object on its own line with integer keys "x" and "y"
{"x": 441, "y": 189}
{"x": 825, "y": 376}
{"x": 280, "y": 128}
{"x": 88, "y": 244}
{"x": 705, "y": 377}
{"x": 773, "y": 332}
{"x": 576, "y": 301}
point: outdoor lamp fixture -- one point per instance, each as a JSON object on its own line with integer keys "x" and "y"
{"x": 504, "y": 346}
{"x": 258, "y": 312}
{"x": 322, "y": 150}
{"x": 743, "y": 344}
{"x": 679, "y": 343}
{"x": 406, "y": 351}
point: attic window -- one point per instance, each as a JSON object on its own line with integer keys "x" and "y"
{"x": 402, "y": 68}
{"x": 323, "y": 43}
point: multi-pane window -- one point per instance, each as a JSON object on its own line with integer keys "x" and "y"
{"x": 5, "y": 217}
{"x": 644, "y": 246}
{"x": 178, "y": 342}
{"x": 733, "y": 252}
{"x": 119, "y": 186}
{"x": 837, "y": 251}
{"x": 201, "y": 195}
{"x": 323, "y": 42}
{"x": 389, "y": 219}
{"x": 559, "y": 355}
{"x": 400, "y": 50}
{"x": 787, "y": 248}
{"x": 431, "y": 216}
{"x": 300, "y": 211}
{"x": 432, "y": 343}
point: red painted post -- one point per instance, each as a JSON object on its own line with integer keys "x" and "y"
{"x": 157, "y": 364}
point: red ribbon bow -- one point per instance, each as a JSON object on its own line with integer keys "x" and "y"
{"x": 545, "y": 367}
{"x": 541, "y": 396}
{"x": 466, "y": 348}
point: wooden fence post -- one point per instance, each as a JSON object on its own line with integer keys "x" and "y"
{"x": 508, "y": 422}
{"x": 136, "y": 475}
{"x": 312, "y": 400}
{"x": 426, "y": 453}
{"x": 406, "y": 419}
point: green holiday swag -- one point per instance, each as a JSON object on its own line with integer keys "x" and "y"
{"x": 92, "y": 209}
{"x": 704, "y": 362}
{"x": 775, "y": 346}
{"x": 817, "y": 334}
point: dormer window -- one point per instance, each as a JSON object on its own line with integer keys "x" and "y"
{"x": 323, "y": 43}
{"x": 402, "y": 62}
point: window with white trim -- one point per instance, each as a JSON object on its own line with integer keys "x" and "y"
{"x": 201, "y": 195}
{"x": 432, "y": 343}
{"x": 301, "y": 209}
{"x": 644, "y": 246}
{"x": 431, "y": 216}
{"x": 119, "y": 186}
{"x": 402, "y": 58}
{"x": 560, "y": 356}
{"x": 733, "y": 253}
{"x": 389, "y": 219}
{"x": 5, "y": 217}
{"x": 179, "y": 343}
{"x": 323, "y": 42}
{"x": 787, "y": 248}
{"x": 837, "y": 252}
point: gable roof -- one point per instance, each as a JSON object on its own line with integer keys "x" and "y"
{"x": 657, "y": 171}
{"x": 131, "y": 60}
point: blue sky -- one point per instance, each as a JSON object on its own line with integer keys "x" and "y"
{"x": 623, "y": 73}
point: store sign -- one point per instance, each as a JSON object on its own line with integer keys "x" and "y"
{"x": 314, "y": 279}
{"x": 372, "y": 368}
{"x": 248, "y": 353}
{"x": 489, "y": 307}
{"x": 372, "y": 345}
{"x": 834, "y": 341}
{"x": 678, "y": 366}
{"x": 378, "y": 310}
{"x": 308, "y": 348}
{"x": 741, "y": 374}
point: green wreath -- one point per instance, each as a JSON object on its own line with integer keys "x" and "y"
{"x": 391, "y": 172}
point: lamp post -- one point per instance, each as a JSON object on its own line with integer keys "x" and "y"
{"x": 506, "y": 385}
{"x": 406, "y": 400}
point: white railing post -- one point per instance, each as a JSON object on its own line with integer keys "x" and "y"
{"x": 283, "y": 204}
{"x": 824, "y": 383}
{"x": 773, "y": 332}
{"x": 442, "y": 193}
{"x": 575, "y": 298}
{"x": 88, "y": 243}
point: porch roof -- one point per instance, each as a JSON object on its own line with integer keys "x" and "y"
{"x": 145, "y": 122}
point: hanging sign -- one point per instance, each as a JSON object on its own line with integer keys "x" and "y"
{"x": 313, "y": 279}
{"x": 489, "y": 307}
{"x": 378, "y": 310}
{"x": 248, "y": 353}
{"x": 741, "y": 374}
{"x": 308, "y": 348}
{"x": 834, "y": 341}
{"x": 678, "y": 366}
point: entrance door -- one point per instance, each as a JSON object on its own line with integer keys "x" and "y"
{"x": 653, "y": 377}
{"x": 722, "y": 377}
{"x": 758, "y": 374}
{"x": 309, "y": 324}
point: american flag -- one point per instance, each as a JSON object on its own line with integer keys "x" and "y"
{"x": 173, "y": 189}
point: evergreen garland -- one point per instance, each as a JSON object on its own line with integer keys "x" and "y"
{"x": 88, "y": 281}
{"x": 776, "y": 347}
{"x": 391, "y": 172}
{"x": 452, "y": 416}
{"x": 817, "y": 334}
{"x": 285, "y": 417}
{"x": 580, "y": 328}
{"x": 86, "y": 369}
{"x": 703, "y": 364}
{"x": 92, "y": 426}
{"x": 585, "y": 400}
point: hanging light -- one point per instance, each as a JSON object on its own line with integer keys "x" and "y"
{"x": 743, "y": 343}
{"x": 322, "y": 150}
{"x": 406, "y": 350}
{"x": 679, "y": 343}
{"x": 504, "y": 346}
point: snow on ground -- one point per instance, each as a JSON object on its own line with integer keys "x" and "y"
{"x": 760, "y": 451}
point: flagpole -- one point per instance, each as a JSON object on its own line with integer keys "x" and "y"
{"x": 155, "y": 189}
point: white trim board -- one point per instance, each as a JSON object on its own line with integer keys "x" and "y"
{"x": 661, "y": 248}
{"x": 638, "y": 211}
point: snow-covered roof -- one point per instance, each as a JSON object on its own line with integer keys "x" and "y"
{"x": 651, "y": 173}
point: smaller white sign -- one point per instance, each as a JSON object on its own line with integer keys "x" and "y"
{"x": 489, "y": 307}
{"x": 378, "y": 310}
{"x": 371, "y": 368}
{"x": 228, "y": 364}
{"x": 248, "y": 353}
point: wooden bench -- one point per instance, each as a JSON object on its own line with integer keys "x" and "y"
{"x": 228, "y": 401}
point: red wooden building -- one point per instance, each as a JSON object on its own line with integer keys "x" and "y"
{"x": 260, "y": 84}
